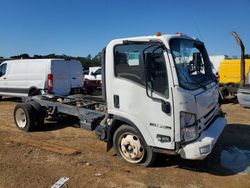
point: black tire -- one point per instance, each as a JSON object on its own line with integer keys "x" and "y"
{"x": 24, "y": 117}
{"x": 39, "y": 113}
{"x": 0, "y": 97}
{"x": 141, "y": 153}
{"x": 34, "y": 91}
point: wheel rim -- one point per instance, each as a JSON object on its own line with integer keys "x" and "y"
{"x": 21, "y": 118}
{"x": 130, "y": 148}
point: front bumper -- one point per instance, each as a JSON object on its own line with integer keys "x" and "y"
{"x": 202, "y": 146}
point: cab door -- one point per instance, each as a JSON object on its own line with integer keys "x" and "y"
{"x": 147, "y": 103}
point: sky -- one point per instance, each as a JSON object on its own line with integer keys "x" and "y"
{"x": 82, "y": 27}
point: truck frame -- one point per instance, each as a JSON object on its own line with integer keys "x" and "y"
{"x": 159, "y": 95}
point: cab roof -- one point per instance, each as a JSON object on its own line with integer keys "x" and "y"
{"x": 166, "y": 37}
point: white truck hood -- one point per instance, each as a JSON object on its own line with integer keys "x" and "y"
{"x": 206, "y": 101}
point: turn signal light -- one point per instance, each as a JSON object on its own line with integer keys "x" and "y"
{"x": 158, "y": 34}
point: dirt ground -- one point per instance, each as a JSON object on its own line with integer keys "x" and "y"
{"x": 22, "y": 165}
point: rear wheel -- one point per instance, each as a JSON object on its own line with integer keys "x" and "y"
{"x": 24, "y": 117}
{"x": 132, "y": 147}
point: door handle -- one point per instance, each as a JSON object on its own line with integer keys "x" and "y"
{"x": 116, "y": 101}
{"x": 4, "y": 78}
{"x": 73, "y": 78}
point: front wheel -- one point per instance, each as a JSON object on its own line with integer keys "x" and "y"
{"x": 132, "y": 147}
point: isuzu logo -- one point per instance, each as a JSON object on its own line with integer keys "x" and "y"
{"x": 160, "y": 126}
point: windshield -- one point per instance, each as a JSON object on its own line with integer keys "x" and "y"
{"x": 192, "y": 63}
{"x": 98, "y": 71}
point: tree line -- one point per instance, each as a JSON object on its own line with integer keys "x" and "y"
{"x": 86, "y": 62}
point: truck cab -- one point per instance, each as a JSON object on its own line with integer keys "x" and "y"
{"x": 161, "y": 96}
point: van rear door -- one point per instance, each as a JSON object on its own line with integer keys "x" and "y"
{"x": 61, "y": 77}
{"x": 76, "y": 74}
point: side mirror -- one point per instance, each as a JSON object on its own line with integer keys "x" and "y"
{"x": 165, "y": 107}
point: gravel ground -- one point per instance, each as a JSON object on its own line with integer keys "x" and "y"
{"x": 25, "y": 166}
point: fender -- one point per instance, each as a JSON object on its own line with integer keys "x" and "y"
{"x": 116, "y": 122}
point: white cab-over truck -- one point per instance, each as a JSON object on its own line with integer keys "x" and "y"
{"x": 159, "y": 96}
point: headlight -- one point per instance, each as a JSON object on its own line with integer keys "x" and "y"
{"x": 189, "y": 127}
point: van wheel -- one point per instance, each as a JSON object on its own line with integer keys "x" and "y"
{"x": 34, "y": 92}
{"x": 132, "y": 147}
{"x": 24, "y": 117}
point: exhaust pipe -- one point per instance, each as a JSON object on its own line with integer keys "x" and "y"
{"x": 242, "y": 59}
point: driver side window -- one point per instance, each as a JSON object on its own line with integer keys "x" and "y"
{"x": 3, "y": 70}
{"x": 128, "y": 63}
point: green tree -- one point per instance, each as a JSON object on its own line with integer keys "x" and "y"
{"x": 247, "y": 56}
{"x": 89, "y": 56}
{"x": 85, "y": 61}
{"x": 21, "y": 56}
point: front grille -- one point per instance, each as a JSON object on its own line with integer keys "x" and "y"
{"x": 207, "y": 120}
{"x": 209, "y": 113}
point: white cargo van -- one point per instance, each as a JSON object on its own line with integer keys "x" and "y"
{"x": 32, "y": 76}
